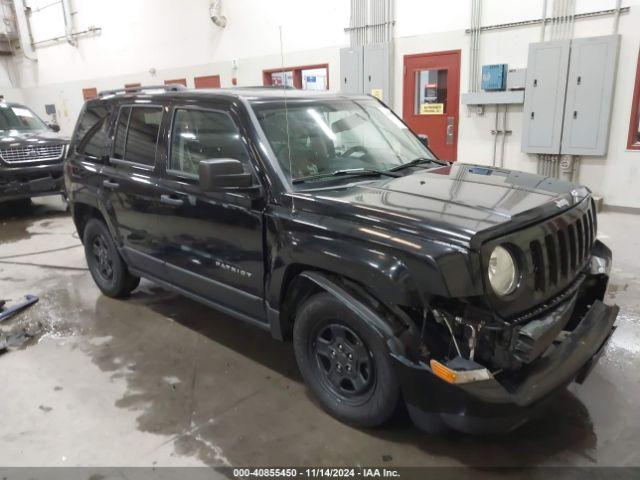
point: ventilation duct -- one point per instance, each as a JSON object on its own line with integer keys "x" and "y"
{"x": 215, "y": 12}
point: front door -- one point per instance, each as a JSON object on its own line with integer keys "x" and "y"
{"x": 213, "y": 240}
{"x": 432, "y": 98}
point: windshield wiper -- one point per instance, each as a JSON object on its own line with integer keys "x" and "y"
{"x": 417, "y": 161}
{"x": 348, "y": 171}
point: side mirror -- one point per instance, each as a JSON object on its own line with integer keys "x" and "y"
{"x": 424, "y": 139}
{"x": 221, "y": 173}
{"x": 54, "y": 127}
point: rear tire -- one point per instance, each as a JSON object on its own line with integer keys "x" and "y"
{"x": 345, "y": 363}
{"x": 105, "y": 263}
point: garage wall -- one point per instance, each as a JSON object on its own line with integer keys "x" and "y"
{"x": 149, "y": 41}
{"x": 612, "y": 177}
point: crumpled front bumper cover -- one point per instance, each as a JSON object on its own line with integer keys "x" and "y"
{"x": 27, "y": 182}
{"x": 489, "y": 406}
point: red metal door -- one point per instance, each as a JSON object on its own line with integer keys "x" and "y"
{"x": 431, "y": 100}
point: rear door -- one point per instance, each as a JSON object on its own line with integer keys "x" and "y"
{"x": 213, "y": 240}
{"x": 88, "y": 152}
{"x": 130, "y": 185}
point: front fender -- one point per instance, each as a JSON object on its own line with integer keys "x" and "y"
{"x": 390, "y": 334}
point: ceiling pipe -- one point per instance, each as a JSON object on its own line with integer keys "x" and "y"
{"x": 23, "y": 31}
{"x": 544, "y": 20}
{"x": 616, "y": 18}
{"x": 68, "y": 23}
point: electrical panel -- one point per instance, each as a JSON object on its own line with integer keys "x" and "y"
{"x": 494, "y": 77}
{"x": 367, "y": 70}
{"x": 351, "y": 70}
{"x": 545, "y": 92}
{"x": 569, "y": 96}
{"x": 590, "y": 87}
{"x": 377, "y": 71}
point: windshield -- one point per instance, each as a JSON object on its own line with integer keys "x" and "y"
{"x": 17, "y": 117}
{"x": 327, "y": 136}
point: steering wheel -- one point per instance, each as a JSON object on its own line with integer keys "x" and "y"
{"x": 352, "y": 150}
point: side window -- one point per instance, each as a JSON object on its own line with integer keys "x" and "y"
{"x": 91, "y": 133}
{"x": 201, "y": 135}
{"x": 121, "y": 133}
{"x": 142, "y": 127}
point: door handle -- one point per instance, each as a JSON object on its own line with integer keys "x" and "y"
{"x": 169, "y": 200}
{"x": 450, "y": 130}
{"x": 110, "y": 184}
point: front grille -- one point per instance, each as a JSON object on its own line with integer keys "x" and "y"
{"x": 551, "y": 255}
{"x": 32, "y": 154}
{"x": 561, "y": 254}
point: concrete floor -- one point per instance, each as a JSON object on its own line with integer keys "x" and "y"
{"x": 161, "y": 380}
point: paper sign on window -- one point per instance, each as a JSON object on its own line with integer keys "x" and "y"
{"x": 432, "y": 109}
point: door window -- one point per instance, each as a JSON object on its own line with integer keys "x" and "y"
{"x": 137, "y": 134}
{"x": 431, "y": 92}
{"x": 91, "y": 132}
{"x": 202, "y": 135}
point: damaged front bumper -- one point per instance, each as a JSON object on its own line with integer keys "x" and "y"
{"x": 28, "y": 182}
{"x": 464, "y": 396}
{"x": 488, "y": 406}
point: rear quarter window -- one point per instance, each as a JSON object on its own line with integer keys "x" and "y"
{"x": 92, "y": 132}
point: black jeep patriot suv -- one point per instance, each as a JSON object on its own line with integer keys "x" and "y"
{"x": 472, "y": 294}
{"x": 31, "y": 155}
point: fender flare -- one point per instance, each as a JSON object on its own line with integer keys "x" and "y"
{"x": 361, "y": 309}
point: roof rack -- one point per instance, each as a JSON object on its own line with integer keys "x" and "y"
{"x": 174, "y": 87}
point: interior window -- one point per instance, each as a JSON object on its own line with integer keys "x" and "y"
{"x": 91, "y": 134}
{"x": 201, "y": 135}
{"x": 431, "y": 92}
{"x": 282, "y": 78}
{"x": 315, "y": 78}
{"x": 311, "y": 77}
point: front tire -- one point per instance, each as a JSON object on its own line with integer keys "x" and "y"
{"x": 105, "y": 263}
{"x": 345, "y": 363}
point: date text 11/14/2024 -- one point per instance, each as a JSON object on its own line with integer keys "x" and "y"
{"x": 362, "y": 472}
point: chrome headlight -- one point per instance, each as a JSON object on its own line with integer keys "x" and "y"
{"x": 503, "y": 273}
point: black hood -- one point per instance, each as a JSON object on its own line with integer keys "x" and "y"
{"x": 23, "y": 138}
{"x": 462, "y": 204}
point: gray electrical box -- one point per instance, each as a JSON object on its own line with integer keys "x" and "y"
{"x": 351, "y": 70}
{"x": 545, "y": 91}
{"x": 590, "y": 87}
{"x": 377, "y": 71}
{"x": 367, "y": 70}
{"x": 569, "y": 96}
{"x": 516, "y": 78}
